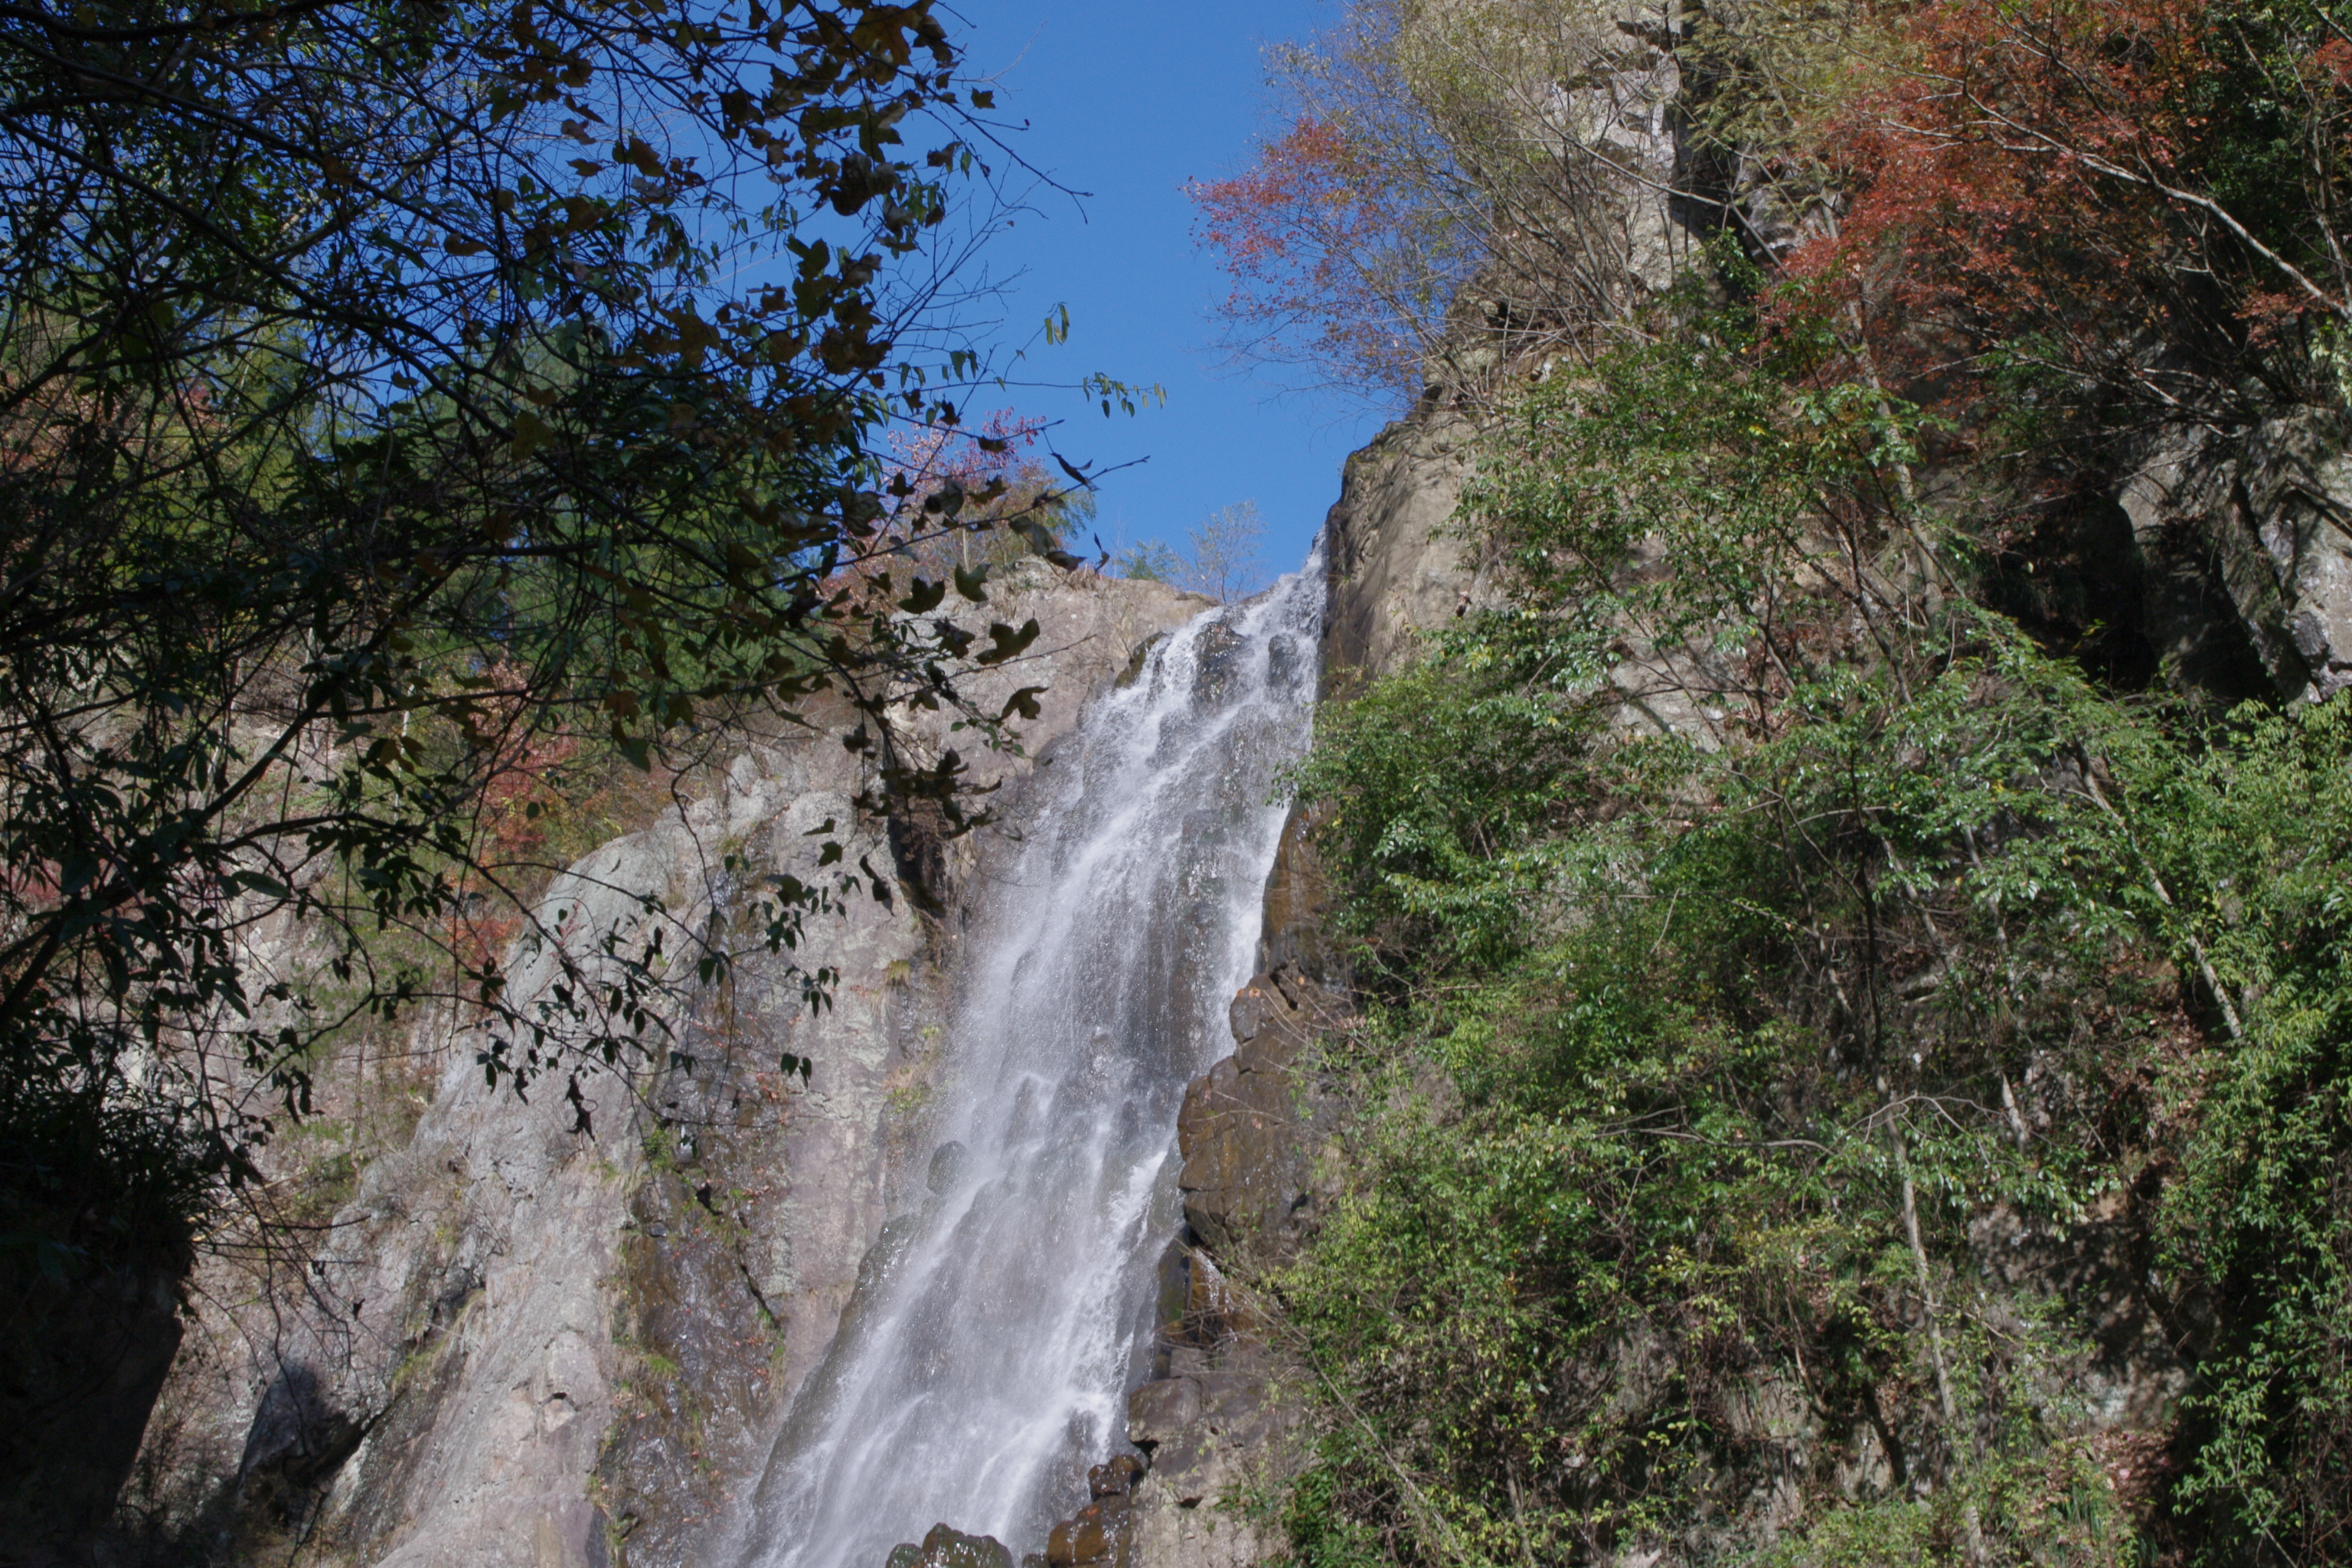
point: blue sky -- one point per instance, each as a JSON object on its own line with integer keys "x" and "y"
{"x": 1127, "y": 102}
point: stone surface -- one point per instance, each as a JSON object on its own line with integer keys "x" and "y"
{"x": 2295, "y": 479}
{"x": 1247, "y": 1130}
{"x": 1160, "y": 1411}
{"x": 1216, "y": 1420}
{"x": 1115, "y": 1476}
{"x": 1096, "y": 1533}
{"x": 946, "y": 1547}
{"x": 1102, "y": 1532}
{"x": 90, "y": 1343}
{"x": 1394, "y": 566}
{"x": 2259, "y": 526}
{"x": 1223, "y": 1433}
{"x": 1299, "y": 896}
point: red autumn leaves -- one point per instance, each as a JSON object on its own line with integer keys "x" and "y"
{"x": 1309, "y": 234}
{"x": 2098, "y": 187}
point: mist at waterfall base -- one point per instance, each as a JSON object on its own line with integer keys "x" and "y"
{"x": 986, "y": 1359}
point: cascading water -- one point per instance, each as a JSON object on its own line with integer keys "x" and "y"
{"x": 986, "y": 1361}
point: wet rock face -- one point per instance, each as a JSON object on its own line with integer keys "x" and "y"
{"x": 1212, "y": 1419}
{"x": 1210, "y": 1422}
{"x": 1247, "y": 1129}
{"x": 1101, "y": 1534}
{"x": 1096, "y": 1533}
{"x": 946, "y": 1547}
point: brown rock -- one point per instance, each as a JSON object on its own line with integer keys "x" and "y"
{"x": 1160, "y": 1411}
{"x": 1395, "y": 567}
{"x": 946, "y": 1547}
{"x": 1297, "y": 932}
{"x": 1246, "y": 1128}
{"x": 1093, "y": 1535}
{"x": 1115, "y": 1478}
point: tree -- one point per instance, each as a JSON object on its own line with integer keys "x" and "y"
{"x": 995, "y": 470}
{"x": 1223, "y": 548}
{"x": 1221, "y": 558}
{"x": 1334, "y": 266}
{"x": 392, "y": 395}
{"x": 2126, "y": 213}
{"x": 1521, "y": 146}
{"x": 1152, "y": 561}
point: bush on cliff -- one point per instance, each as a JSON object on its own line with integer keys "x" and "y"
{"x": 1845, "y": 1082}
{"x": 1829, "y": 1020}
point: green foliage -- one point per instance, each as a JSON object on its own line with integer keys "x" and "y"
{"x": 1444, "y": 795}
{"x": 1667, "y": 1210}
{"x": 1688, "y": 515}
{"x": 1692, "y": 494}
{"x": 1219, "y": 557}
{"x": 1153, "y": 561}
{"x": 1758, "y": 927}
{"x": 1703, "y": 1062}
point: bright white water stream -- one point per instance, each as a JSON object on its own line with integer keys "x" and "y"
{"x": 987, "y": 1362}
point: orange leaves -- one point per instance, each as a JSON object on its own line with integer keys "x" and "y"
{"x": 1308, "y": 170}
{"x": 2093, "y": 177}
{"x": 2331, "y": 63}
{"x": 1310, "y": 235}
{"x": 521, "y": 793}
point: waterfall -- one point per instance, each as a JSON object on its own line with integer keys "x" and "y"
{"x": 986, "y": 1360}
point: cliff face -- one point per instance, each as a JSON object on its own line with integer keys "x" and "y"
{"x": 1396, "y": 566}
{"x": 1219, "y": 1419}
{"x": 2244, "y": 547}
{"x": 551, "y": 1333}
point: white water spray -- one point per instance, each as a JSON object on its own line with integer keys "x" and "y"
{"x": 986, "y": 1361}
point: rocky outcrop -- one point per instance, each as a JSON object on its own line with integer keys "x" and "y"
{"x": 1394, "y": 566}
{"x": 1215, "y": 1440}
{"x": 1101, "y": 1534}
{"x": 547, "y": 1332}
{"x": 947, "y": 1547}
{"x": 90, "y": 1338}
{"x": 2260, "y": 526}
{"x": 1249, "y": 1129}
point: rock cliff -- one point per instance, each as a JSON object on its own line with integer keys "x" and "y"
{"x": 2244, "y": 546}
{"x": 1216, "y": 1420}
{"x": 2234, "y": 571}
{"x": 549, "y": 1333}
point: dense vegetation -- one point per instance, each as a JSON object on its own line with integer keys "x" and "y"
{"x": 1833, "y": 1044}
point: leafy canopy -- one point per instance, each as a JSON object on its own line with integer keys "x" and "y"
{"x": 396, "y": 393}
